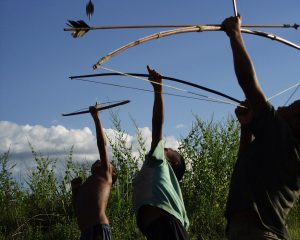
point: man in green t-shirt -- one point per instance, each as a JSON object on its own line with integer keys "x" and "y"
{"x": 265, "y": 182}
{"x": 157, "y": 197}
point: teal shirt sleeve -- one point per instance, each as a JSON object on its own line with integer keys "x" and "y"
{"x": 156, "y": 185}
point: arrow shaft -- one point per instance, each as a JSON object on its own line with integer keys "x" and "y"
{"x": 235, "y": 8}
{"x": 180, "y": 25}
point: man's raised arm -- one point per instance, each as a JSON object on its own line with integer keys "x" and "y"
{"x": 158, "y": 108}
{"x": 243, "y": 65}
{"x": 101, "y": 138}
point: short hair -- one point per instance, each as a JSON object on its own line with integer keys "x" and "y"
{"x": 114, "y": 170}
{"x": 178, "y": 164}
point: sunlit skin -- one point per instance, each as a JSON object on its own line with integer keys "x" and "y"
{"x": 93, "y": 195}
{"x": 90, "y": 198}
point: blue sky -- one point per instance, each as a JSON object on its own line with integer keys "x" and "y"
{"x": 37, "y": 57}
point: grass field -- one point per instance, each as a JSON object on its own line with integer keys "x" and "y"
{"x": 40, "y": 207}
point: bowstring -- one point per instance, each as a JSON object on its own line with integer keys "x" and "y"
{"x": 289, "y": 88}
{"x": 169, "y": 86}
{"x": 204, "y": 97}
{"x": 293, "y": 93}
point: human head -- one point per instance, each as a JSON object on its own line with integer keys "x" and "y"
{"x": 291, "y": 114}
{"x": 96, "y": 169}
{"x": 176, "y": 161}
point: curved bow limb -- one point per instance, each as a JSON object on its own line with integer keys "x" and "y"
{"x": 99, "y": 107}
{"x": 199, "y": 28}
{"x": 154, "y": 36}
{"x": 272, "y": 37}
{"x": 164, "y": 77}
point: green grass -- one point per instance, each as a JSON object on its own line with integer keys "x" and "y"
{"x": 41, "y": 209}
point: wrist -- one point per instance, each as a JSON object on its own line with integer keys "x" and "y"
{"x": 234, "y": 34}
{"x": 158, "y": 89}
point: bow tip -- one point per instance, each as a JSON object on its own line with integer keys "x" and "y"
{"x": 95, "y": 66}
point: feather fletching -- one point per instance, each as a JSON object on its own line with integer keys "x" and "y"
{"x": 82, "y": 28}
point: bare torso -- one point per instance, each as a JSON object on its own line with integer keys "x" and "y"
{"x": 92, "y": 200}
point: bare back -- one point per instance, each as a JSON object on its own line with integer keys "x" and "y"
{"x": 92, "y": 199}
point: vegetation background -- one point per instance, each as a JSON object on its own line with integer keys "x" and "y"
{"x": 40, "y": 206}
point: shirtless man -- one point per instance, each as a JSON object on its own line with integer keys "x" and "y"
{"x": 90, "y": 198}
{"x": 157, "y": 197}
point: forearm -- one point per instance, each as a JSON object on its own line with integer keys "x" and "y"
{"x": 101, "y": 140}
{"x": 243, "y": 65}
{"x": 157, "y": 116}
{"x": 246, "y": 74}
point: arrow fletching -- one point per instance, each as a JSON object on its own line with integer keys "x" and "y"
{"x": 80, "y": 28}
{"x": 90, "y": 9}
{"x": 296, "y": 26}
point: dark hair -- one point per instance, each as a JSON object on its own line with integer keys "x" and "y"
{"x": 177, "y": 163}
{"x": 114, "y": 170}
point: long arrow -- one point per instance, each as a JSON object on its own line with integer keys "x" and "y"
{"x": 80, "y": 28}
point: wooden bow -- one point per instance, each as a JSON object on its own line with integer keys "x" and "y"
{"x": 99, "y": 107}
{"x": 199, "y": 28}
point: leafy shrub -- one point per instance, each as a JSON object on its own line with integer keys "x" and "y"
{"x": 43, "y": 210}
{"x": 209, "y": 150}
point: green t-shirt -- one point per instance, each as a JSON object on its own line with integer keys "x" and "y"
{"x": 266, "y": 177}
{"x": 156, "y": 185}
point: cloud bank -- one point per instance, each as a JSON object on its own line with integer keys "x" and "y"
{"x": 57, "y": 141}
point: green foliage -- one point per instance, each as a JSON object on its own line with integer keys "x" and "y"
{"x": 120, "y": 205}
{"x": 209, "y": 150}
{"x": 293, "y": 222}
{"x": 43, "y": 210}
{"x": 42, "y": 184}
{"x": 10, "y": 196}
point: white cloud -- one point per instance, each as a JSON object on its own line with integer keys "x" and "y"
{"x": 56, "y": 142}
{"x": 171, "y": 142}
{"x": 178, "y": 126}
{"x": 56, "y": 139}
